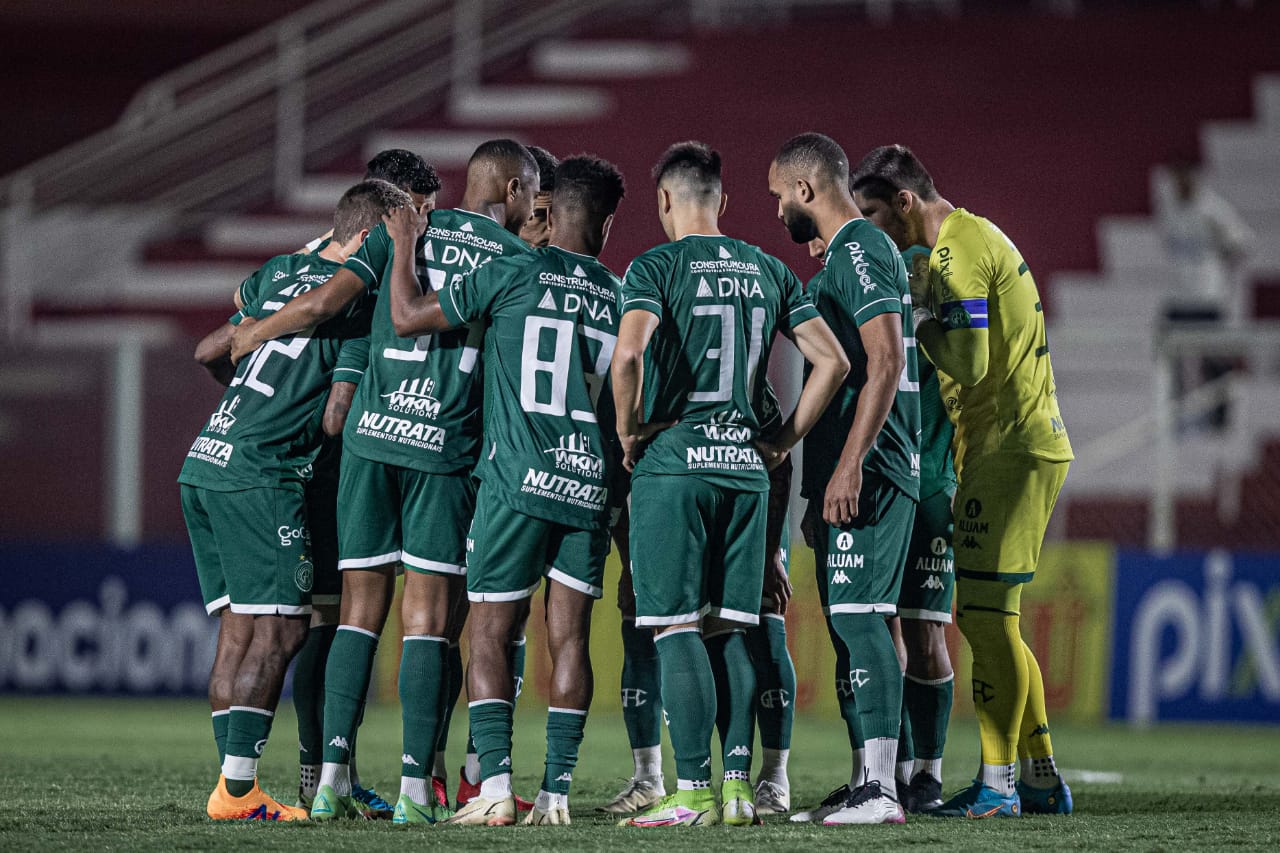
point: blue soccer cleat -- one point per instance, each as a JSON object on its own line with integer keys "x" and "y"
{"x": 1055, "y": 800}
{"x": 977, "y": 802}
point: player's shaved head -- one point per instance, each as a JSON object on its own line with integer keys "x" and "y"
{"x": 690, "y": 171}
{"x": 505, "y": 158}
{"x": 363, "y": 206}
{"x": 887, "y": 170}
{"x": 815, "y": 157}
{"x": 403, "y": 169}
{"x": 588, "y": 187}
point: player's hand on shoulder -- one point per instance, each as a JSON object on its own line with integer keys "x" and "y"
{"x": 243, "y": 340}
{"x": 404, "y": 224}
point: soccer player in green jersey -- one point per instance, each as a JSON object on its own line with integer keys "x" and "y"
{"x": 861, "y": 462}
{"x": 406, "y": 494}
{"x": 978, "y": 316}
{"x": 706, "y": 308}
{"x": 242, "y": 498}
{"x": 928, "y": 585}
{"x": 546, "y": 475}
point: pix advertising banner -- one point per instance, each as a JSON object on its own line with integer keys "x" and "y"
{"x": 91, "y": 619}
{"x": 1197, "y": 637}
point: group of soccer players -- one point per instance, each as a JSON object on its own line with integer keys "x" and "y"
{"x": 470, "y": 397}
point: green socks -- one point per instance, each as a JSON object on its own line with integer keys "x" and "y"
{"x": 689, "y": 697}
{"x": 930, "y": 706}
{"x": 641, "y": 686}
{"x": 491, "y": 731}
{"x": 874, "y": 678}
{"x": 346, "y": 681}
{"x": 308, "y": 692}
{"x": 247, "y": 731}
{"x": 564, "y": 736}
{"x": 422, "y": 676}
{"x": 220, "y": 721}
{"x": 735, "y": 681}
{"x": 775, "y": 681}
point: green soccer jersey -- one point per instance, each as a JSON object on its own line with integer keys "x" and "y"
{"x": 937, "y": 474}
{"x": 418, "y": 405}
{"x": 552, "y": 318}
{"x": 864, "y": 277}
{"x": 719, "y": 302}
{"x": 267, "y": 427}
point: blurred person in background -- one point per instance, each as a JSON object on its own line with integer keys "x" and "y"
{"x": 1206, "y": 241}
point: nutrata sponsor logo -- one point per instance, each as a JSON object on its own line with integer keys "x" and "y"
{"x": 414, "y": 397}
{"x": 857, "y": 256}
{"x": 401, "y": 431}
{"x": 725, "y": 457}
{"x": 212, "y": 450}
{"x": 564, "y": 489}
{"x": 224, "y": 419}
{"x": 574, "y": 454}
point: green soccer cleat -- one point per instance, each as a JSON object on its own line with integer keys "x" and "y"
{"x": 327, "y": 804}
{"x": 683, "y": 808}
{"x": 978, "y": 802}
{"x": 407, "y": 813}
{"x": 1055, "y": 800}
{"x": 739, "y": 807}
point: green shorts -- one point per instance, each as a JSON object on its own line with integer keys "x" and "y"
{"x": 393, "y": 514}
{"x": 859, "y": 566}
{"x": 509, "y": 552}
{"x": 929, "y": 580}
{"x": 1002, "y": 509}
{"x": 251, "y": 549}
{"x": 322, "y": 520}
{"x": 696, "y": 548}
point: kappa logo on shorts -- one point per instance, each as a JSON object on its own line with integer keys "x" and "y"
{"x": 933, "y": 582}
{"x": 840, "y": 577}
{"x": 844, "y": 541}
{"x": 304, "y": 576}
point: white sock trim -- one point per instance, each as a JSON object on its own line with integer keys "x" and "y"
{"x": 931, "y": 682}
{"x": 479, "y": 702}
{"x": 220, "y": 713}
{"x": 674, "y": 631}
{"x": 240, "y": 768}
{"x": 579, "y": 711}
{"x": 428, "y": 637}
{"x": 369, "y": 634}
{"x": 263, "y": 711}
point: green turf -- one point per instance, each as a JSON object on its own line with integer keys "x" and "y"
{"x": 131, "y": 775}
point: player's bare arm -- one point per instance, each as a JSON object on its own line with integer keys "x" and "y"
{"x": 214, "y": 353}
{"x": 337, "y": 406}
{"x": 627, "y": 373}
{"x": 818, "y": 344}
{"x": 886, "y": 359}
{"x": 303, "y": 312}
{"x": 412, "y": 311}
{"x": 962, "y": 354}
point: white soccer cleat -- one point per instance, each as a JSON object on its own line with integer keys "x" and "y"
{"x": 772, "y": 798}
{"x": 554, "y": 816}
{"x": 867, "y": 805}
{"x": 830, "y": 804}
{"x": 481, "y": 811}
{"x": 639, "y": 795}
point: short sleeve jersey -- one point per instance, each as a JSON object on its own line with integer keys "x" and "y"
{"x": 553, "y": 324}
{"x": 863, "y": 277}
{"x": 418, "y": 405}
{"x": 719, "y": 303}
{"x": 937, "y": 474}
{"x": 267, "y": 426}
{"x": 978, "y": 279}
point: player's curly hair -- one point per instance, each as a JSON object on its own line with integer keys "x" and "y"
{"x": 547, "y": 165}
{"x": 588, "y": 183}
{"x": 888, "y": 169}
{"x": 363, "y": 206}
{"x": 815, "y": 154}
{"x": 403, "y": 169}
{"x": 695, "y": 165}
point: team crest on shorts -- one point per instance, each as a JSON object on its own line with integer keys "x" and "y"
{"x": 304, "y": 575}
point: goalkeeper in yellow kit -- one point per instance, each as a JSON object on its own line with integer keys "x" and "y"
{"x": 977, "y": 315}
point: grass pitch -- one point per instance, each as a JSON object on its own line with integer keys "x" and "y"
{"x": 78, "y": 774}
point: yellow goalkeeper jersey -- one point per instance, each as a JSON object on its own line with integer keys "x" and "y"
{"x": 978, "y": 279}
